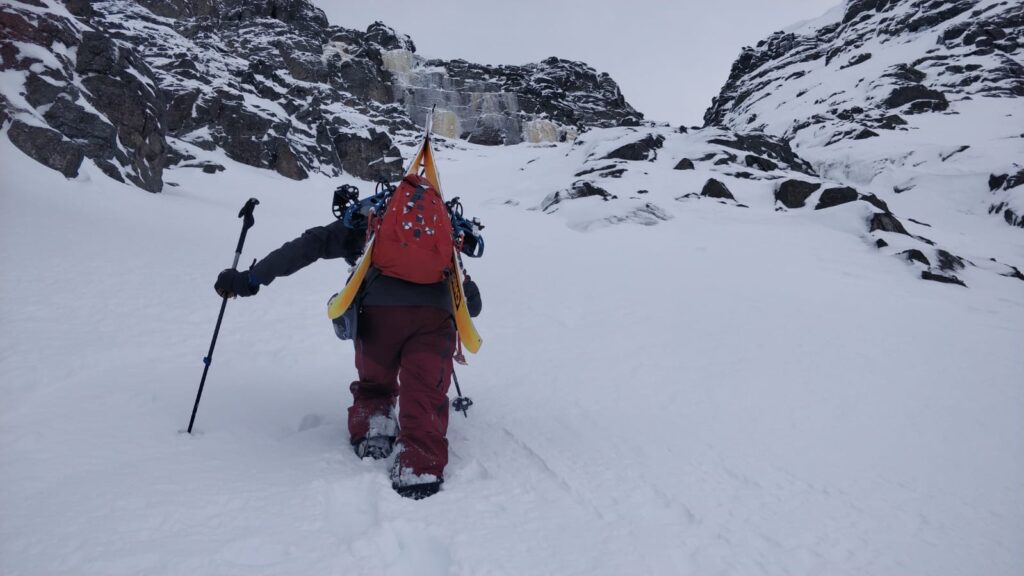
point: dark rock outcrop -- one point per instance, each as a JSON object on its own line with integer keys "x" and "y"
{"x": 684, "y": 164}
{"x": 920, "y": 98}
{"x": 886, "y": 223}
{"x": 929, "y": 275}
{"x": 831, "y": 197}
{"x": 915, "y": 255}
{"x": 1014, "y": 180}
{"x": 644, "y": 149}
{"x": 763, "y": 145}
{"x": 762, "y": 164}
{"x": 794, "y": 193}
{"x": 369, "y": 158}
{"x": 47, "y": 147}
{"x": 995, "y": 182}
{"x": 580, "y": 189}
{"x": 949, "y": 262}
{"x": 716, "y": 189}
{"x": 878, "y": 203}
{"x": 96, "y": 135}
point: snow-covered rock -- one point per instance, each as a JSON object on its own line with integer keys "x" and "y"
{"x": 135, "y": 87}
{"x": 903, "y": 96}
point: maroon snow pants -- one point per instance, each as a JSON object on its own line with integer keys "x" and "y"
{"x": 404, "y": 353}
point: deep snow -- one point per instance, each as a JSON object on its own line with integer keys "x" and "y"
{"x": 731, "y": 391}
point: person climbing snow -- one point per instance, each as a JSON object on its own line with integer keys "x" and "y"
{"x": 406, "y": 329}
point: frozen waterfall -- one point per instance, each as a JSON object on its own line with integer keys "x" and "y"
{"x": 475, "y": 110}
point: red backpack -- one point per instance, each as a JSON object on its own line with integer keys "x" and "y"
{"x": 414, "y": 234}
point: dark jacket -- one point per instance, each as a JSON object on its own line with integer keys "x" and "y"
{"x": 339, "y": 241}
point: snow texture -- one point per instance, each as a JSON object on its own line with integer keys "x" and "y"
{"x": 732, "y": 391}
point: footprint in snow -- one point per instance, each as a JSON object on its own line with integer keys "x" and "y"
{"x": 310, "y": 421}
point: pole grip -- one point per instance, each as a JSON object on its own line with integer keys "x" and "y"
{"x": 247, "y": 222}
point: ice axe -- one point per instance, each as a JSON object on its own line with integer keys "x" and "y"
{"x": 247, "y": 221}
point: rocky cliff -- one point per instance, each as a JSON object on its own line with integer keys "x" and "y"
{"x": 898, "y": 121}
{"x": 902, "y": 95}
{"x": 136, "y": 87}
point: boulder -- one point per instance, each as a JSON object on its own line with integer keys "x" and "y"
{"x": 640, "y": 150}
{"x": 949, "y": 262}
{"x": 915, "y": 255}
{"x": 715, "y": 189}
{"x": 877, "y": 203}
{"x": 886, "y": 223}
{"x": 831, "y": 197}
{"x": 794, "y": 193}
{"x": 684, "y": 164}
{"x": 922, "y": 99}
{"x": 891, "y": 122}
{"x": 928, "y": 275}
{"x": 858, "y": 59}
{"x": 580, "y": 189}
{"x": 995, "y": 182}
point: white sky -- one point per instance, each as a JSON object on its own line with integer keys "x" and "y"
{"x": 670, "y": 57}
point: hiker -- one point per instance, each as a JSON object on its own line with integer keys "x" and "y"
{"x": 404, "y": 344}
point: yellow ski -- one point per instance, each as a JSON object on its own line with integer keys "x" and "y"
{"x": 342, "y": 300}
{"x": 424, "y": 165}
{"x": 463, "y": 322}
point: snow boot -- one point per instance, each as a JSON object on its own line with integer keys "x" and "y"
{"x": 408, "y": 484}
{"x": 380, "y": 437}
{"x": 418, "y": 491}
{"x": 376, "y": 447}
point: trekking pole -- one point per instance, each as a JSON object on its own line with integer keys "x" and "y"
{"x": 460, "y": 404}
{"x": 247, "y": 221}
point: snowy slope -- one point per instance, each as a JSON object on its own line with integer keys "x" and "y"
{"x": 731, "y": 391}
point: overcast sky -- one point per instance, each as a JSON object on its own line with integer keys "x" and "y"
{"x": 670, "y": 57}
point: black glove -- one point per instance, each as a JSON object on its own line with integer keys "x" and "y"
{"x": 231, "y": 283}
{"x": 473, "y": 301}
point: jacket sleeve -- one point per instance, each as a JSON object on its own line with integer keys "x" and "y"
{"x": 332, "y": 241}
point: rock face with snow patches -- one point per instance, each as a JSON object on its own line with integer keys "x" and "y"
{"x": 912, "y": 108}
{"x": 930, "y": 87}
{"x": 136, "y": 87}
